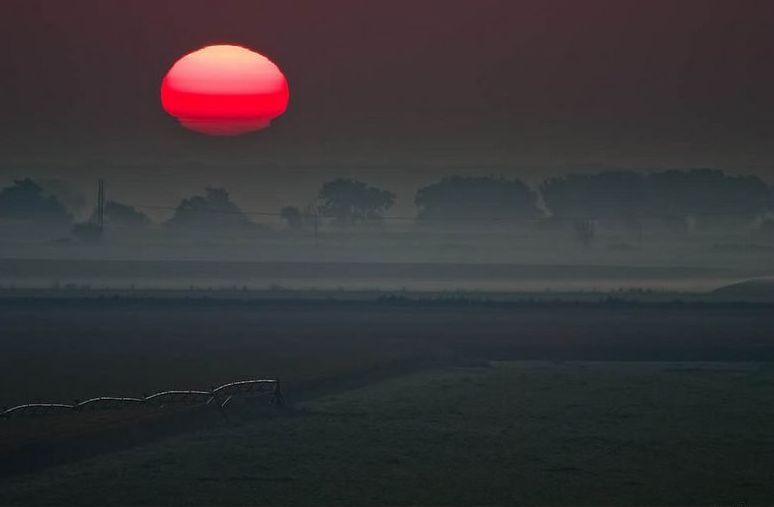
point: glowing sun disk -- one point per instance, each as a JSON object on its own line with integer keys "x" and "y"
{"x": 225, "y": 90}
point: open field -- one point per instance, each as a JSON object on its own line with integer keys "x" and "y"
{"x": 59, "y": 350}
{"x": 680, "y": 274}
{"x": 538, "y": 433}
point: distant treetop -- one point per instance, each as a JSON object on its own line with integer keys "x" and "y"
{"x": 25, "y": 200}
{"x": 214, "y": 210}
{"x": 705, "y": 194}
{"x": 350, "y": 201}
{"x": 120, "y": 214}
{"x": 458, "y": 198}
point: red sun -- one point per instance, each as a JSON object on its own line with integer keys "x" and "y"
{"x": 225, "y": 90}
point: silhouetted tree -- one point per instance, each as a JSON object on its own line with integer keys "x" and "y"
{"x": 706, "y": 195}
{"x": 703, "y": 195}
{"x": 458, "y": 197}
{"x": 71, "y": 198}
{"x": 26, "y": 200}
{"x": 350, "y": 201}
{"x": 214, "y": 211}
{"x": 614, "y": 195}
{"x": 124, "y": 215}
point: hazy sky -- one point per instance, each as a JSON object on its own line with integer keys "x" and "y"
{"x": 395, "y": 92}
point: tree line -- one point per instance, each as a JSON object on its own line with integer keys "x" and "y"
{"x": 699, "y": 196}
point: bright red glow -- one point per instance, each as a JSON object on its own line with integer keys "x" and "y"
{"x": 225, "y": 90}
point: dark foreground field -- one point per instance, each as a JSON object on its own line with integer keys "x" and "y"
{"x": 537, "y": 433}
{"x": 64, "y": 349}
{"x": 615, "y": 431}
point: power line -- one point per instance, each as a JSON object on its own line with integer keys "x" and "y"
{"x": 462, "y": 218}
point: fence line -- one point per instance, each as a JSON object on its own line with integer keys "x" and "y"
{"x": 220, "y": 395}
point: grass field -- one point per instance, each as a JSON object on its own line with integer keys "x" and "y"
{"x": 417, "y": 418}
{"x": 519, "y": 432}
{"x": 59, "y": 350}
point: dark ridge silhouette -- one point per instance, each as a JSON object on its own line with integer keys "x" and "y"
{"x": 757, "y": 291}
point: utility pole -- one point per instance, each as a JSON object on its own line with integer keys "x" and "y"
{"x": 92, "y": 230}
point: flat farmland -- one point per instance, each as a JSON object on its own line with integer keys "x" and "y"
{"x": 516, "y": 433}
{"x": 66, "y": 349}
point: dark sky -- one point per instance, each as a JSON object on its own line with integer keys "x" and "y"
{"x": 395, "y": 92}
